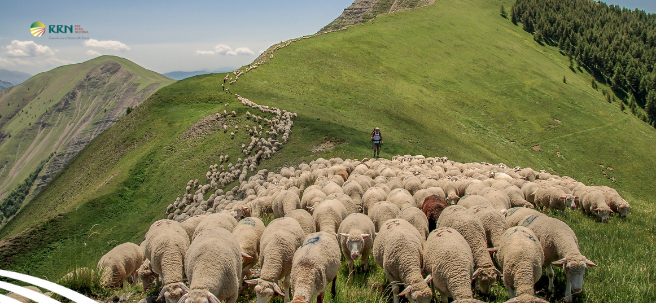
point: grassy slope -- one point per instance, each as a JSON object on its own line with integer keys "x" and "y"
{"x": 37, "y": 97}
{"x": 451, "y": 79}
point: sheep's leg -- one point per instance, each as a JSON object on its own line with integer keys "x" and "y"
{"x": 395, "y": 292}
{"x": 511, "y": 292}
{"x": 564, "y": 211}
{"x": 568, "y": 291}
{"x": 445, "y": 298}
{"x": 320, "y": 298}
{"x": 286, "y": 286}
{"x": 350, "y": 265}
{"x": 365, "y": 260}
{"x": 550, "y": 274}
{"x": 333, "y": 289}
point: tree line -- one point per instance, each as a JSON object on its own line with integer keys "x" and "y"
{"x": 616, "y": 45}
{"x": 10, "y": 205}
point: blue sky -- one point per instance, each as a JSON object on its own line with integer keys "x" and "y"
{"x": 166, "y": 36}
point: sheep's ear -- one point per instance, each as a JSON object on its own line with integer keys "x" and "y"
{"x": 184, "y": 287}
{"x": 212, "y": 297}
{"x": 245, "y": 255}
{"x": 276, "y": 288}
{"x": 560, "y": 262}
{"x": 252, "y": 281}
{"x": 184, "y": 298}
{"x": 406, "y": 291}
{"x": 161, "y": 293}
{"x": 344, "y": 235}
{"x": 514, "y": 300}
{"x": 504, "y": 211}
{"x": 563, "y": 198}
{"x": 365, "y": 236}
{"x": 476, "y": 274}
{"x": 590, "y": 263}
{"x": 492, "y": 249}
{"x": 428, "y": 279}
{"x": 533, "y": 193}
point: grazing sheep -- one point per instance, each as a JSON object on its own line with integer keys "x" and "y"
{"x": 515, "y": 215}
{"x": 615, "y": 201}
{"x": 494, "y": 223}
{"x": 520, "y": 256}
{"x": 215, "y": 220}
{"x": 248, "y": 233}
{"x": 305, "y": 219}
{"x": 312, "y": 195}
{"x": 470, "y": 227}
{"x": 165, "y": 245}
{"x": 499, "y": 199}
{"x": 213, "y": 265}
{"x": 381, "y": 212}
{"x": 450, "y": 264}
{"x": 554, "y": 198}
{"x": 328, "y": 215}
{"x": 516, "y": 196}
{"x": 529, "y": 189}
{"x": 415, "y": 217}
{"x": 147, "y": 275}
{"x": 353, "y": 189}
{"x": 190, "y": 224}
{"x": 595, "y": 203}
{"x": 315, "y": 264}
{"x": 356, "y": 238}
{"x": 119, "y": 263}
{"x": 398, "y": 251}
{"x": 401, "y": 198}
{"x": 470, "y": 201}
{"x": 351, "y": 206}
{"x": 284, "y": 202}
{"x": 561, "y": 247}
{"x": 331, "y": 188}
{"x": 432, "y": 208}
{"x": 279, "y": 241}
{"x": 371, "y": 196}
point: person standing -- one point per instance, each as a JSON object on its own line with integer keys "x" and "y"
{"x": 377, "y": 141}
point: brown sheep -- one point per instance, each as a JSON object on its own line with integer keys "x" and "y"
{"x": 432, "y": 207}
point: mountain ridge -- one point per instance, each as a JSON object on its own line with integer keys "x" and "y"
{"x": 13, "y": 77}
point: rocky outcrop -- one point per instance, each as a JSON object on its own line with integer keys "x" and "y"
{"x": 364, "y": 10}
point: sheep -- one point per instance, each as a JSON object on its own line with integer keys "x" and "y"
{"x": 285, "y": 202}
{"x": 529, "y": 189}
{"x": 248, "y": 233}
{"x": 353, "y": 189}
{"x": 516, "y": 196}
{"x": 417, "y": 218}
{"x": 356, "y": 238}
{"x": 412, "y": 185}
{"x": 213, "y": 265}
{"x": 561, "y": 247}
{"x": 147, "y": 275}
{"x": 190, "y": 224}
{"x": 328, "y": 215}
{"x": 499, "y": 199}
{"x": 279, "y": 241}
{"x": 371, "y": 196}
{"x": 515, "y": 215}
{"x": 451, "y": 191}
{"x": 470, "y": 227}
{"x": 215, "y": 220}
{"x": 521, "y": 257}
{"x": 595, "y": 203}
{"x": 398, "y": 251}
{"x": 381, "y": 212}
{"x": 331, "y": 188}
{"x": 470, "y": 201}
{"x": 305, "y": 219}
{"x": 554, "y": 198}
{"x": 449, "y": 262}
{"x": 494, "y": 223}
{"x": 401, "y": 198}
{"x": 432, "y": 208}
{"x": 119, "y": 263}
{"x": 615, "y": 201}
{"x": 165, "y": 245}
{"x": 315, "y": 264}
{"x": 312, "y": 195}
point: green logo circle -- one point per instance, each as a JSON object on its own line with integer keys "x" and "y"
{"x": 37, "y": 29}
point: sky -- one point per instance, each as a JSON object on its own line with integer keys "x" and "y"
{"x": 165, "y": 36}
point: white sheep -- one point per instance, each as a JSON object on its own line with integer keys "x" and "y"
{"x": 398, "y": 251}
{"x": 284, "y": 202}
{"x": 315, "y": 264}
{"x": 383, "y": 211}
{"x": 520, "y": 256}
{"x": 248, "y": 233}
{"x": 165, "y": 245}
{"x": 223, "y": 220}
{"x": 119, "y": 263}
{"x": 417, "y": 218}
{"x": 279, "y": 241}
{"x": 305, "y": 219}
{"x": 494, "y": 223}
{"x": 595, "y": 203}
{"x": 561, "y": 247}
{"x": 357, "y": 238}
{"x": 554, "y": 198}
{"x": 213, "y": 265}
{"x": 328, "y": 215}
{"x": 371, "y": 196}
{"x": 517, "y": 214}
{"x": 470, "y": 227}
{"x": 190, "y": 224}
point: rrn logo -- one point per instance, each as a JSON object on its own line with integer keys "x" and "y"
{"x": 60, "y": 29}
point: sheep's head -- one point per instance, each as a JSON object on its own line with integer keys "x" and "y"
{"x": 265, "y": 290}
{"x": 199, "y": 296}
{"x": 602, "y": 214}
{"x": 172, "y": 292}
{"x": 574, "y": 267}
{"x": 485, "y": 277}
{"x": 418, "y": 292}
{"x": 355, "y": 243}
{"x": 623, "y": 209}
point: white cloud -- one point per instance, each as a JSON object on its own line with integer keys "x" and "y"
{"x": 241, "y": 51}
{"x": 222, "y": 49}
{"x": 93, "y": 53}
{"x": 204, "y": 52}
{"x": 107, "y": 44}
{"x": 28, "y": 49}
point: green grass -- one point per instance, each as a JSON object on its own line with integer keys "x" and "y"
{"x": 453, "y": 79}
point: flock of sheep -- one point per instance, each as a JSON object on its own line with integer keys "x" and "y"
{"x": 427, "y": 222}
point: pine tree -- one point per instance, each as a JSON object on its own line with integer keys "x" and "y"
{"x": 564, "y": 80}
{"x": 650, "y": 108}
{"x": 503, "y": 12}
{"x": 513, "y": 15}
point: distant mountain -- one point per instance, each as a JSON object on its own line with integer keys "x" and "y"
{"x": 5, "y": 84}
{"x": 13, "y": 77}
{"x": 179, "y": 75}
{"x": 62, "y": 110}
{"x": 364, "y": 10}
